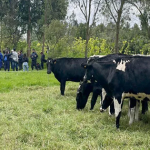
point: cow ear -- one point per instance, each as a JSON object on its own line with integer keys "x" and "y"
{"x": 84, "y": 65}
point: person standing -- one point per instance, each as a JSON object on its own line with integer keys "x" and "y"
{"x": 1, "y": 60}
{"x": 14, "y": 57}
{"x": 42, "y": 60}
{"x": 7, "y": 60}
{"x": 20, "y": 56}
{"x": 33, "y": 57}
{"x": 25, "y": 62}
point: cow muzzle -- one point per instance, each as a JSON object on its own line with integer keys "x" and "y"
{"x": 102, "y": 110}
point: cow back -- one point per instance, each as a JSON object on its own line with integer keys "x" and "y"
{"x": 69, "y": 69}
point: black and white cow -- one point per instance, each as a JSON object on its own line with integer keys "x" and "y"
{"x": 134, "y": 105}
{"x": 85, "y": 88}
{"x": 123, "y": 77}
{"x": 66, "y": 69}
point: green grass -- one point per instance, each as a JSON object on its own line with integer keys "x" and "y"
{"x": 34, "y": 116}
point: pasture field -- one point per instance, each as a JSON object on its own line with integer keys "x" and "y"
{"x": 34, "y": 116}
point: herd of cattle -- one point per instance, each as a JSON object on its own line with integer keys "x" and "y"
{"x": 113, "y": 77}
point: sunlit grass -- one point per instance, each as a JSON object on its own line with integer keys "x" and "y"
{"x": 33, "y": 116}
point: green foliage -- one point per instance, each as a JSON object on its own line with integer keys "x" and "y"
{"x": 96, "y": 46}
{"x": 138, "y": 45}
{"x": 53, "y": 10}
{"x": 53, "y": 33}
{"x": 37, "y": 46}
{"x": 146, "y": 49}
{"x": 78, "y": 47}
{"x": 22, "y": 45}
{"x": 99, "y": 47}
{"x": 81, "y": 31}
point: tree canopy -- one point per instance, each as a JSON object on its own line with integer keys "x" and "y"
{"x": 44, "y": 25}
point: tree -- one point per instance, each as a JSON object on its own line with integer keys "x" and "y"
{"x": 89, "y": 10}
{"x": 117, "y": 10}
{"x": 29, "y": 14}
{"x": 53, "y": 33}
{"x": 11, "y": 27}
{"x": 53, "y": 10}
{"x": 144, "y": 9}
{"x": 81, "y": 31}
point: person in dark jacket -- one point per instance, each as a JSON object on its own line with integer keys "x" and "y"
{"x": 25, "y": 62}
{"x": 20, "y": 56}
{"x": 1, "y": 60}
{"x": 42, "y": 60}
{"x": 33, "y": 57}
{"x": 6, "y": 60}
{"x": 38, "y": 66}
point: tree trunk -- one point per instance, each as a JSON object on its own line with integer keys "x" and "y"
{"x": 117, "y": 37}
{"x": 87, "y": 28}
{"x": 118, "y": 27}
{"x": 43, "y": 43}
{"x": 28, "y": 42}
{"x": 1, "y": 35}
{"x": 29, "y": 33}
{"x": 86, "y": 45}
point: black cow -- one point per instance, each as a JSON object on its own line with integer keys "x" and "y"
{"x": 84, "y": 91}
{"x": 123, "y": 77}
{"x": 66, "y": 69}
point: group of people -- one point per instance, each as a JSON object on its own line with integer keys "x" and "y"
{"x": 18, "y": 60}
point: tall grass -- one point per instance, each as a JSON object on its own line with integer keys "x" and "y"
{"x": 34, "y": 116}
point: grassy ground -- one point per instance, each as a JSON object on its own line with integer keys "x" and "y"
{"x": 34, "y": 116}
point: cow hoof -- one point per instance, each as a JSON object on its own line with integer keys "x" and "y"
{"x": 111, "y": 114}
{"x": 102, "y": 110}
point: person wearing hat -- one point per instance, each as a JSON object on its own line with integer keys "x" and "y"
{"x": 42, "y": 60}
{"x": 33, "y": 57}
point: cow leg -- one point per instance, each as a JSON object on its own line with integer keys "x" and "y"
{"x": 118, "y": 105}
{"x": 132, "y": 104}
{"x": 94, "y": 98}
{"x": 62, "y": 86}
{"x": 111, "y": 109}
{"x": 144, "y": 106}
{"x": 103, "y": 95}
{"x": 129, "y": 109}
{"x": 137, "y": 110}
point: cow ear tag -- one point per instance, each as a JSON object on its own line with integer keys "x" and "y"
{"x": 84, "y": 66}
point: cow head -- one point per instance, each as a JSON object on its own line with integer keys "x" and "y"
{"x": 105, "y": 102}
{"x": 50, "y": 63}
{"x": 82, "y": 94}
